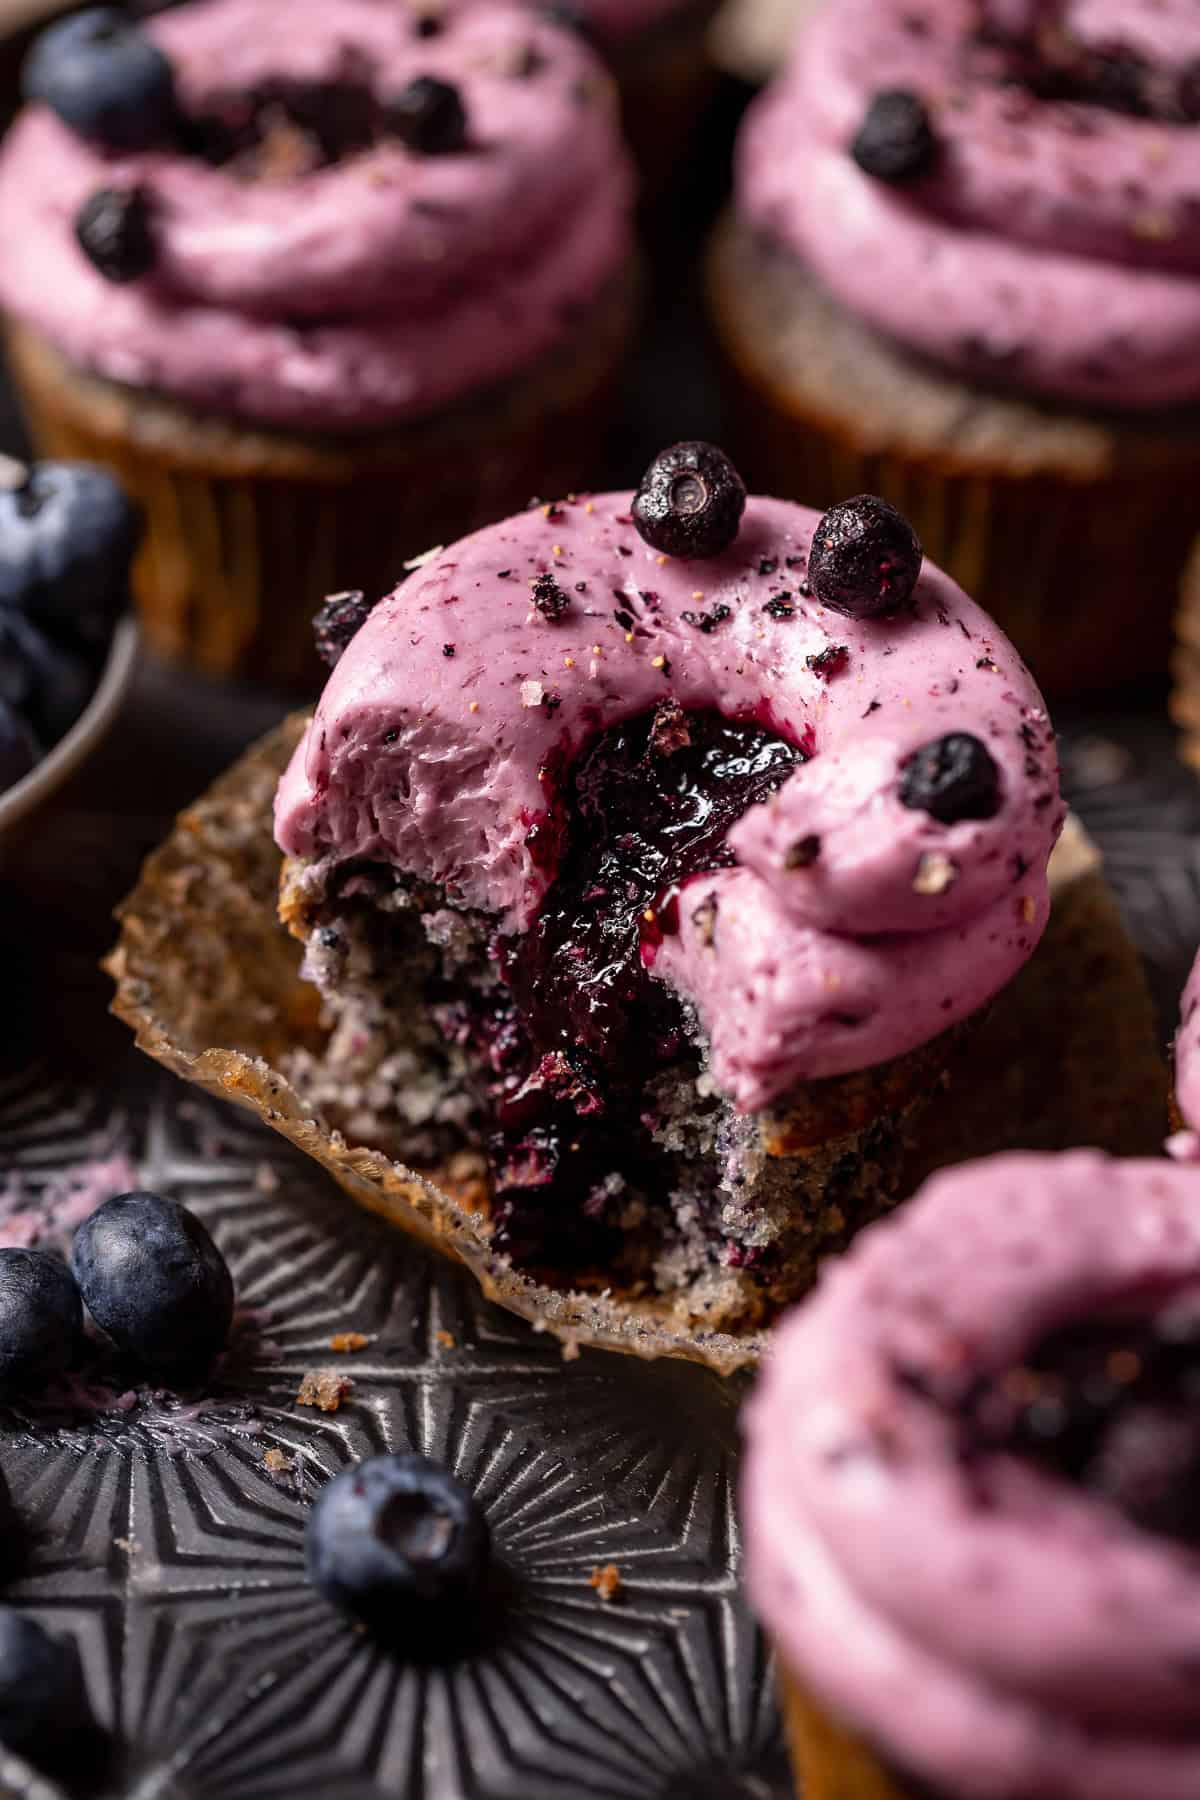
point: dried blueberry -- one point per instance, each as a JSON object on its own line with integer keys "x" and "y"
{"x": 113, "y": 229}
{"x": 104, "y": 78}
{"x": 548, "y": 598}
{"x": 68, "y": 534}
{"x": 690, "y": 501}
{"x": 44, "y": 1711}
{"x": 952, "y": 778}
{"x": 895, "y": 141}
{"x": 18, "y": 747}
{"x": 396, "y": 1540}
{"x": 41, "y": 1317}
{"x": 337, "y": 620}
{"x": 865, "y": 558}
{"x": 153, "y": 1279}
{"x": 428, "y": 116}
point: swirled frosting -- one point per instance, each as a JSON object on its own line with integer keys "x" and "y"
{"x": 376, "y": 288}
{"x": 444, "y": 735}
{"x": 1053, "y": 244}
{"x": 1038, "y": 1645}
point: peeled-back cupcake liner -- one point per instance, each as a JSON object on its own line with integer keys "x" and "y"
{"x": 829, "y": 1762}
{"x": 1071, "y": 529}
{"x": 248, "y": 529}
{"x": 209, "y": 980}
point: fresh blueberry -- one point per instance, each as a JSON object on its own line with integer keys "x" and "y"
{"x": 690, "y": 501}
{"x": 44, "y": 1709}
{"x": 865, "y": 558}
{"x": 952, "y": 778}
{"x": 336, "y": 621}
{"x": 47, "y": 686}
{"x": 104, "y": 78}
{"x": 40, "y": 1317}
{"x": 895, "y": 141}
{"x": 428, "y": 116}
{"x": 18, "y": 747}
{"x": 115, "y": 231}
{"x": 68, "y": 534}
{"x": 396, "y": 1540}
{"x": 153, "y": 1279}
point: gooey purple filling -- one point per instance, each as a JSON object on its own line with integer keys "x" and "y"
{"x": 578, "y": 1026}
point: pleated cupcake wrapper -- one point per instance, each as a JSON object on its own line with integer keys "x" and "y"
{"x": 209, "y": 980}
{"x": 1082, "y": 571}
{"x": 245, "y": 535}
{"x": 1185, "y": 665}
{"x": 830, "y": 1762}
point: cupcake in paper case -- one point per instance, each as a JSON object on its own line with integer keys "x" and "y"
{"x": 962, "y": 269}
{"x": 972, "y": 1492}
{"x": 659, "y": 851}
{"x": 323, "y": 282}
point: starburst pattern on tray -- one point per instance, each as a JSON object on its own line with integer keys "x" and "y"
{"x": 167, "y": 1531}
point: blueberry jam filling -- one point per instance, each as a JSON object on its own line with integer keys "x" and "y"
{"x": 577, "y": 1026}
{"x": 1112, "y": 1405}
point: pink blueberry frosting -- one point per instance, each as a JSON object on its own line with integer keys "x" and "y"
{"x": 374, "y": 289}
{"x": 442, "y": 740}
{"x": 1052, "y": 244}
{"x": 1040, "y": 1646}
{"x": 1187, "y": 1057}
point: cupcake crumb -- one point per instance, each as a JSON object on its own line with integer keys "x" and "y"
{"x": 445, "y": 1338}
{"x": 348, "y": 1340}
{"x": 606, "y": 1580}
{"x": 276, "y": 1463}
{"x": 324, "y": 1389}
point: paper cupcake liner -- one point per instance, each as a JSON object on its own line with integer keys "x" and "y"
{"x": 1185, "y": 665}
{"x": 829, "y": 1762}
{"x": 247, "y": 530}
{"x": 1071, "y": 529}
{"x": 209, "y": 980}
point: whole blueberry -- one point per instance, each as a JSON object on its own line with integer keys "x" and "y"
{"x": 18, "y": 747}
{"x": 43, "y": 1700}
{"x": 113, "y": 228}
{"x": 47, "y": 686}
{"x": 68, "y": 534}
{"x": 336, "y": 621}
{"x": 397, "y": 1539}
{"x": 41, "y": 1317}
{"x": 865, "y": 558}
{"x": 153, "y": 1279}
{"x": 952, "y": 778}
{"x": 690, "y": 501}
{"x": 895, "y": 141}
{"x": 104, "y": 78}
{"x": 428, "y": 116}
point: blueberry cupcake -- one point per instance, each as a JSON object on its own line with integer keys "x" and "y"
{"x": 324, "y": 282}
{"x": 970, "y": 1498}
{"x": 652, "y": 855}
{"x": 963, "y": 270}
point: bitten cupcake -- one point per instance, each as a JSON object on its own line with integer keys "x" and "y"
{"x": 972, "y": 1495}
{"x": 655, "y": 851}
{"x": 325, "y": 282}
{"x": 963, "y": 270}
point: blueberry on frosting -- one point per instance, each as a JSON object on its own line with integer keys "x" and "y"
{"x": 336, "y": 621}
{"x": 104, "y": 78}
{"x": 690, "y": 501}
{"x": 951, "y": 779}
{"x": 895, "y": 141}
{"x": 428, "y": 116}
{"x": 865, "y": 558}
{"x": 113, "y": 230}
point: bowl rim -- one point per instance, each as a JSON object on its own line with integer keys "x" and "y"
{"x": 18, "y": 801}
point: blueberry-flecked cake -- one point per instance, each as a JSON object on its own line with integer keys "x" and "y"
{"x": 657, "y": 851}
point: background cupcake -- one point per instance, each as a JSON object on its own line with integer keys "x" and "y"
{"x": 323, "y": 282}
{"x": 970, "y": 1500}
{"x": 963, "y": 270}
